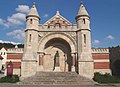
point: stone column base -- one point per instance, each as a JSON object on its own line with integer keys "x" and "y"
{"x": 86, "y": 69}
{"x": 40, "y": 68}
{"x": 73, "y": 68}
{"x": 28, "y": 68}
{"x": 57, "y": 69}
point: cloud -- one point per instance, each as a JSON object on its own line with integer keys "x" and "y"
{"x": 96, "y": 42}
{"x": 1, "y": 41}
{"x": 46, "y": 15}
{"x": 110, "y": 37}
{"x": 23, "y": 9}
{"x": 17, "y": 34}
{"x": 4, "y": 23}
{"x": 16, "y": 19}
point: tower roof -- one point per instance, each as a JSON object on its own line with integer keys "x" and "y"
{"x": 33, "y": 11}
{"x": 82, "y": 11}
{"x": 1, "y": 57}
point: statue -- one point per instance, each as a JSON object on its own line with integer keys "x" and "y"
{"x": 56, "y": 60}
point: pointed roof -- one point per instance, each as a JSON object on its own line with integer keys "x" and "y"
{"x": 57, "y": 15}
{"x": 82, "y": 11}
{"x": 33, "y": 11}
{"x": 1, "y": 57}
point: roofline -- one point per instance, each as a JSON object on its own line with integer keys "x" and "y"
{"x": 32, "y": 16}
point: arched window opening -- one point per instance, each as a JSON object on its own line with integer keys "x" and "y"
{"x": 84, "y": 20}
{"x": 31, "y": 21}
{"x": 30, "y": 38}
{"x": 58, "y": 25}
{"x": 85, "y": 38}
{"x": 48, "y": 26}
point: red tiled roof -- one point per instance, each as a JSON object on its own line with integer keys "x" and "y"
{"x": 14, "y": 56}
{"x": 16, "y": 65}
{"x": 4, "y": 48}
{"x": 1, "y": 57}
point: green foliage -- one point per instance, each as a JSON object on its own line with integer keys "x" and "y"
{"x": 20, "y": 45}
{"x": 9, "y": 45}
{"x": 105, "y": 78}
{"x": 8, "y": 79}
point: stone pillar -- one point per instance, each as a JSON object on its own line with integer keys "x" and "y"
{"x": 41, "y": 59}
{"x": 73, "y": 61}
{"x": 41, "y": 56}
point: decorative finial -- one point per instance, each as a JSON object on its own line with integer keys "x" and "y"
{"x": 34, "y": 3}
{"x": 57, "y": 13}
{"x": 81, "y": 2}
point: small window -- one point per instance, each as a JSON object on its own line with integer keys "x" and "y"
{"x": 58, "y": 24}
{"x": 85, "y": 38}
{"x": 30, "y": 38}
{"x": 4, "y": 53}
{"x": 48, "y": 26}
{"x": 84, "y": 20}
{"x": 1, "y": 53}
{"x": 31, "y": 21}
{"x": 39, "y": 38}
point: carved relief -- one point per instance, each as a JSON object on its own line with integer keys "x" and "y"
{"x": 72, "y": 34}
{"x": 41, "y": 35}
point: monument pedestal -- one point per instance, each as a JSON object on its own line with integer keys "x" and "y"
{"x": 57, "y": 69}
{"x": 73, "y": 68}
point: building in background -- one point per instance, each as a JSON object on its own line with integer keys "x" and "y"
{"x": 3, "y": 54}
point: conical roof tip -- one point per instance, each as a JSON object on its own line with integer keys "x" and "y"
{"x": 82, "y": 11}
{"x": 33, "y": 11}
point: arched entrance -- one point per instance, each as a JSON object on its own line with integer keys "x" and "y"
{"x": 57, "y": 54}
{"x": 57, "y": 43}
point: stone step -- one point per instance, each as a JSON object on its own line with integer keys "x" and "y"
{"x": 60, "y": 78}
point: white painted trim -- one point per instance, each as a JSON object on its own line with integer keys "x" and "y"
{"x": 101, "y": 60}
{"x": 102, "y": 71}
{"x": 13, "y": 60}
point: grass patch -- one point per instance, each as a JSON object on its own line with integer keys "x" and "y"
{"x": 105, "y": 78}
{"x": 7, "y": 79}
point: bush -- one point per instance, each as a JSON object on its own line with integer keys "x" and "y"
{"x": 105, "y": 78}
{"x": 7, "y": 79}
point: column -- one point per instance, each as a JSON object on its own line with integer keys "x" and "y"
{"x": 41, "y": 59}
{"x": 73, "y": 61}
{"x": 41, "y": 55}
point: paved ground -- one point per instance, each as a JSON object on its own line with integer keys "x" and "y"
{"x": 1, "y": 75}
{"x": 15, "y": 85}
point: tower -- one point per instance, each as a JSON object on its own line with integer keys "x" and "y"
{"x": 85, "y": 61}
{"x": 28, "y": 66}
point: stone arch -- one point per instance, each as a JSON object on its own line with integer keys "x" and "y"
{"x": 63, "y": 36}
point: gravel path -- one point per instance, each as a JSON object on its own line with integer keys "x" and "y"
{"x": 15, "y": 85}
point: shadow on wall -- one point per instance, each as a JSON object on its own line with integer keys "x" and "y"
{"x": 115, "y": 61}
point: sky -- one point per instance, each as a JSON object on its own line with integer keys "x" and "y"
{"x": 104, "y": 16}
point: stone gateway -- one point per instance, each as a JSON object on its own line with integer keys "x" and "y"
{"x": 57, "y": 45}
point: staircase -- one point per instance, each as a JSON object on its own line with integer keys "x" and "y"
{"x": 56, "y": 78}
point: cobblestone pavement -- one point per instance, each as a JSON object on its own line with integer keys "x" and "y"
{"x": 15, "y": 85}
